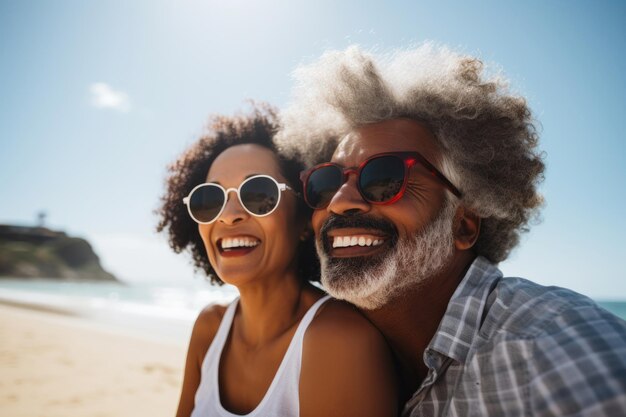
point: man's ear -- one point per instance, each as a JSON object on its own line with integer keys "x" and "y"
{"x": 466, "y": 228}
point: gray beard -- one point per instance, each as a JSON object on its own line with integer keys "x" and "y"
{"x": 370, "y": 283}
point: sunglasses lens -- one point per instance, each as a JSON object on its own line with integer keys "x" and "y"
{"x": 322, "y": 185}
{"x": 206, "y": 202}
{"x": 259, "y": 195}
{"x": 382, "y": 178}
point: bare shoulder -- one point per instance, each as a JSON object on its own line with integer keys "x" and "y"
{"x": 205, "y": 328}
{"x": 338, "y": 321}
{"x": 210, "y": 318}
{"x": 347, "y": 367}
{"x": 202, "y": 336}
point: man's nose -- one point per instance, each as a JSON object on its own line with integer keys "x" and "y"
{"x": 348, "y": 200}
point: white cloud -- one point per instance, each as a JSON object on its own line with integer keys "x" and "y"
{"x": 104, "y": 97}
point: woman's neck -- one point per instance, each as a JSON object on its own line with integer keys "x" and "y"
{"x": 269, "y": 307}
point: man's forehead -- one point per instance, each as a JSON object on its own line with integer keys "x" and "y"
{"x": 389, "y": 136}
{"x": 348, "y": 148}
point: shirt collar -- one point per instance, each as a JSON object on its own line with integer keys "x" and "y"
{"x": 465, "y": 311}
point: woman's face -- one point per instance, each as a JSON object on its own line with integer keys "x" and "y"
{"x": 270, "y": 243}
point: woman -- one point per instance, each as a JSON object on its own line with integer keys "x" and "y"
{"x": 282, "y": 348}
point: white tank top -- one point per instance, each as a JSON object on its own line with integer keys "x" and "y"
{"x": 282, "y": 397}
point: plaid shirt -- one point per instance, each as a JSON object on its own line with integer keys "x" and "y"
{"x": 509, "y": 347}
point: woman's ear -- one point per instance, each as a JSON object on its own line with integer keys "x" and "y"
{"x": 466, "y": 228}
{"x": 306, "y": 233}
{"x": 306, "y": 228}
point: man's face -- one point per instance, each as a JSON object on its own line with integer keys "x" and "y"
{"x": 412, "y": 238}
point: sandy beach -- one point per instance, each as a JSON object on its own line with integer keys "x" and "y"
{"x": 56, "y": 364}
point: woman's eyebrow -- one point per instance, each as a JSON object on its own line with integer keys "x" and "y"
{"x": 245, "y": 178}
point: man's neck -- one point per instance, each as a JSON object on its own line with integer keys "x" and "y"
{"x": 410, "y": 321}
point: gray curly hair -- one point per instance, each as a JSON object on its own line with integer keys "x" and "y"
{"x": 487, "y": 135}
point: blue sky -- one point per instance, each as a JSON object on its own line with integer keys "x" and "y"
{"x": 98, "y": 97}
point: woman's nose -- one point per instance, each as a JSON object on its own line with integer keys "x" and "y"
{"x": 233, "y": 211}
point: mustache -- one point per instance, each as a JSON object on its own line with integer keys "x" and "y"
{"x": 362, "y": 221}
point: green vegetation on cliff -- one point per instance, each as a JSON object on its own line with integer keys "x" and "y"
{"x": 37, "y": 252}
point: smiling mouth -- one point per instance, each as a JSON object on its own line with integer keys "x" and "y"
{"x": 350, "y": 241}
{"x": 357, "y": 236}
{"x": 344, "y": 244}
{"x": 237, "y": 246}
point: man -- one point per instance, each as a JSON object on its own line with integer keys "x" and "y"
{"x": 433, "y": 178}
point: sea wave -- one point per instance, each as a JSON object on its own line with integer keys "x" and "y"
{"x": 156, "y": 310}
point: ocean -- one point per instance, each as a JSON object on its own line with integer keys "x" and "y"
{"x": 160, "y": 311}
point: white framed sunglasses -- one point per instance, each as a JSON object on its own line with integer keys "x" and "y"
{"x": 259, "y": 195}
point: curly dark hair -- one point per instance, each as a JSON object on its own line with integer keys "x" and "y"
{"x": 487, "y": 135}
{"x": 190, "y": 169}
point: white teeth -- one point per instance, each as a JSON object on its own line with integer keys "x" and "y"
{"x": 245, "y": 242}
{"x": 348, "y": 241}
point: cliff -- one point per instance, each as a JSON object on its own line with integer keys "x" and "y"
{"x": 38, "y": 252}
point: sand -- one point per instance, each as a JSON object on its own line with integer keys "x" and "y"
{"x": 54, "y": 364}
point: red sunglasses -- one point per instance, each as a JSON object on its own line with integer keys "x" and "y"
{"x": 381, "y": 179}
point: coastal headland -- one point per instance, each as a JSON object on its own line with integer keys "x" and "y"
{"x": 39, "y": 252}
